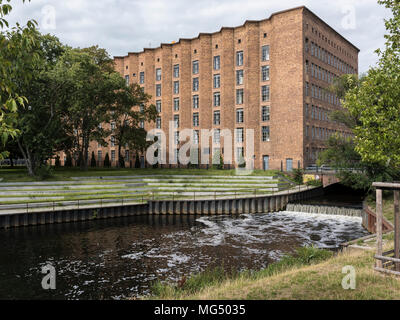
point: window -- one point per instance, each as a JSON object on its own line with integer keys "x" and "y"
{"x": 265, "y": 73}
{"x": 176, "y": 71}
{"x": 158, "y": 74}
{"x": 239, "y": 77}
{"x": 176, "y": 137}
{"x": 265, "y": 133}
{"x": 217, "y": 136}
{"x": 113, "y": 125}
{"x": 217, "y": 99}
{"x": 265, "y": 93}
{"x": 158, "y": 123}
{"x": 195, "y": 84}
{"x": 141, "y": 80}
{"x": 176, "y": 104}
{"x": 239, "y": 96}
{"x": 239, "y": 135}
{"x": 195, "y": 67}
{"x": 158, "y": 106}
{"x": 176, "y": 87}
{"x": 127, "y": 80}
{"x": 196, "y": 136}
{"x": 217, "y": 118}
{"x": 265, "y": 53}
{"x": 239, "y": 116}
{"x": 240, "y": 154}
{"x": 112, "y": 141}
{"x": 307, "y": 89}
{"x": 195, "y": 119}
{"x": 195, "y": 102}
{"x": 112, "y": 155}
{"x": 99, "y": 155}
{"x": 217, "y": 81}
{"x": 141, "y": 124}
{"x": 265, "y": 113}
{"x": 239, "y": 58}
{"x": 127, "y": 155}
{"x": 176, "y": 121}
{"x": 217, "y": 62}
{"x": 158, "y": 90}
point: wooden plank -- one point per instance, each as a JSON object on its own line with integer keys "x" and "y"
{"x": 397, "y": 228}
{"x": 379, "y": 215}
{"x": 397, "y": 273}
{"x": 383, "y": 258}
{"x": 386, "y": 186}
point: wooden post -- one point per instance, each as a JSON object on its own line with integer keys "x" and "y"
{"x": 397, "y": 227}
{"x": 379, "y": 215}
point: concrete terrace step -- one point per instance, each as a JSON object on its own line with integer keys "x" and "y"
{"x": 176, "y": 177}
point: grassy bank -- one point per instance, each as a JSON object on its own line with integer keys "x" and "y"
{"x": 65, "y": 174}
{"x": 312, "y": 274}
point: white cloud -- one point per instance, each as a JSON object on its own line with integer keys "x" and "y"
{"x": 122, "y": 26}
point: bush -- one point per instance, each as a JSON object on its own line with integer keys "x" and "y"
{"x": 44, "y": 172}
{"x": 107, "y": 163}
{"x": 68, "y": 162}
{"x": 57, "y": 162}
{"x": 137, "y": 162}
{"x": 314, "y": 183}
{"x": 93, "y": 161}
{"x": 121, "y": 160}
{"x": 297, "y": 176}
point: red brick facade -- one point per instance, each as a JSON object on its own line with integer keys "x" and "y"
{"x": 304, "y": 56}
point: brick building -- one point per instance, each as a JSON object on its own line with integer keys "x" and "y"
{"x": 266, "y": 75}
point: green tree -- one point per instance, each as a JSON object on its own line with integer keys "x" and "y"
{"x": 16, "y": 56}
{"x": 130, "y": 109}
{"x": 41, "y": 125}
{"x": 376, "y": 102}
{"x": 95, "y": 88}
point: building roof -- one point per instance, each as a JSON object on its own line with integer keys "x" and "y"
{"x": 244, "y": 24}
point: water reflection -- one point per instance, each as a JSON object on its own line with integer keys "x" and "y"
{"x": 113, "y": 259}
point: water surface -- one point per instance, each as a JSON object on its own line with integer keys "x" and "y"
{"x": 118, "y": 258}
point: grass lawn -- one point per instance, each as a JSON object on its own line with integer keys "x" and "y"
{"x": 312, "y": 275}
{"x": 65, "y": 174}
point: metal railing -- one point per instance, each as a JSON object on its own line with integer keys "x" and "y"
{"x": 144, "y": 198}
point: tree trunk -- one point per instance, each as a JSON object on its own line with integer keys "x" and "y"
{"x": 119, "y": 156}
{"x": 28, "y": 159}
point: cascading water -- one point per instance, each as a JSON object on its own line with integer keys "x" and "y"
{"x": 315, "y": 209}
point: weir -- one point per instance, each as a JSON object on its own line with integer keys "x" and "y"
{"x": 328, "y": 210}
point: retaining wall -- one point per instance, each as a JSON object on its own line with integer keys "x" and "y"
{"x": 256, "y": 204}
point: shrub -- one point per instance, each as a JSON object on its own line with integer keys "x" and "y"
{"x": 297, "y": 176}
{"x": 93, "y": 161}
{"x": 44, "y": 172}
{"x": 68, "y": 161}
{"x": 57, "y": 162}
{"x": 121, "y": 160}
{"x": 107, "y": 163}
{"x": 314, "y": 183}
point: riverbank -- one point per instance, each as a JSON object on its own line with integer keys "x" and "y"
{"x": 310, "y": 275}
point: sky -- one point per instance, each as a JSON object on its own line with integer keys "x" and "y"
{"x": 123, "y": 26}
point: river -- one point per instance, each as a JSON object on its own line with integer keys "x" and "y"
{"x": 120, "y": 258}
